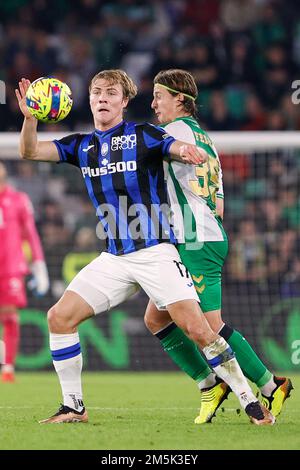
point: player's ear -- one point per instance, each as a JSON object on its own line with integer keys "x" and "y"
{"x": 180, "y": 100}
{"x": 125, "y": 102}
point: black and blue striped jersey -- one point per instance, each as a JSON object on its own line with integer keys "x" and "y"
{"x": 123, "y": 171}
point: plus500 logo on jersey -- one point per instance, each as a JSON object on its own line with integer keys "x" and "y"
{"x": 123, "y": 142}
{"x": 118, "y": 167}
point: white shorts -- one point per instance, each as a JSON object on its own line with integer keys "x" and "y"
{"x": 109, "y": 279}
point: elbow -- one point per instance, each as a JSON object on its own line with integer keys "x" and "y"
{"x": 26, "y": 155}
{"x": 23, "y": 155}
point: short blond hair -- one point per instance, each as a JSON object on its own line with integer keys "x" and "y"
{"x": 115, "y": 76}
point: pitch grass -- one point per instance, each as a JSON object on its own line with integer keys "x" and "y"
{"x": 149, "y": 411}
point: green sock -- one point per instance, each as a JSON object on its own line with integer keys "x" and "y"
{"x": 249, "y": 362}
{"x": 184, "y": 352}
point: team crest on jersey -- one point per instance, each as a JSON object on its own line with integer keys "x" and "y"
{"x": 104, "y": 149}
{"x": 123, "y": 142}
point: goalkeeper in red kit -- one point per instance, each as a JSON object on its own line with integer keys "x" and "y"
{"x": 16, "y": 226}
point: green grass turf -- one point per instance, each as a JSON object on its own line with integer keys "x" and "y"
{"x": 135, "y": 411}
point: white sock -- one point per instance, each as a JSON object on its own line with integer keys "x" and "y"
{"x": 209, "y": 381}
{"x": 67, "y": 361}
{"x": 220, "y": 357}
{"x": 269, "y": 387}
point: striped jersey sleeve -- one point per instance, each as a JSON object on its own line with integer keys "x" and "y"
{"x": 68, "y": 149}
{"x": 157, "y": 138}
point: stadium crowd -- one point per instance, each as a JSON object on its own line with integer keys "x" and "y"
{"x": 244, "y": 54}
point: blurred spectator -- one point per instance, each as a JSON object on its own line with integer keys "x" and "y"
{"x": 56, "y": 242}
{"x": 247, "y": 261}
{"x": 30, "y": 181}
{"x": 270, "y": 28}
{"x": 238, "y": 15}
{"x": 255, "y": 116}
{"x": 204, "y": 67}
{"x": 219, "y": 39}
{"x": 278, "y": 72}
{"x": 44, "y": 54}
{"x": 240, "y": 64}
{"x": 87, "y": 217}
{"x": 50, "y": 212}
{"x": 287, "y": 247}
{"x": 23, "y": 66}
{"x": 142, "y": 102}
{"x": 281, "y": 174}
{"x": 276, "y": 121}
{"x": 201, "y": 13}
{"x": 291, "y": 113}
{"x": 291, "y": 206}
{"x": 219, "y": 118}
{"x": 272, "y": 223}
{"x": 163, "y": 59}
{"x": 291, "y": 283}
{"x": 86, "y": 240}
{"x": 105, "y": 49}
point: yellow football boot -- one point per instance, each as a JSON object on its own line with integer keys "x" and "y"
{"x": 275, "y": 402}
{"x": 211, "y": 399}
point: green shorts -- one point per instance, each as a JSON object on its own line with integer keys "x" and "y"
{"x": 205, "y": 266}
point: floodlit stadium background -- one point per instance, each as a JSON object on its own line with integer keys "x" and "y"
{"x": 245, "y": 57}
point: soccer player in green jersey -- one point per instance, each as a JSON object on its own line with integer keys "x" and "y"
{"x": 197, "y": 203}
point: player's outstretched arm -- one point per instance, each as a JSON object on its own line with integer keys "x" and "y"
{"x": 187, "y": 153}
{"x": 30, "y": 148}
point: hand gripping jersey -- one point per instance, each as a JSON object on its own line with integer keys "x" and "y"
{"x": 16, "y": 225}
{"x": 123, "y": 172}
{"x": 193, "y": 189}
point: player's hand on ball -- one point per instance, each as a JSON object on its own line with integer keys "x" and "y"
{"x": 24, "y": 84}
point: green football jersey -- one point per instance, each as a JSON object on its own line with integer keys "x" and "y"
{"x": 193, "y": 189}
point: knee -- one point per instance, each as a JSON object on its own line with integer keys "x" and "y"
{"x": 59, "y": 321}
{"x": 195, "y": 333}
{"x": 151, "y": 324}
{"x": 155, "y": 324}
{"x": 200, "y": 334}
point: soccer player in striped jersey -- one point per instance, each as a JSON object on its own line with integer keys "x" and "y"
{"x": 197, "y": 203}
{"x": 122, "y": 166}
